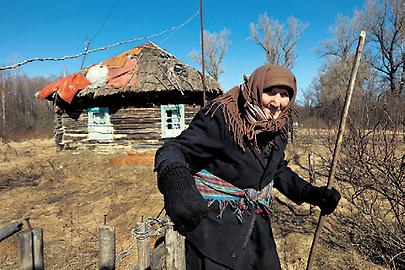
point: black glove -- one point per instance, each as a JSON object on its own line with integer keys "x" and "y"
{"x": 183, "y": 202}
{"x": 327, "y": 199}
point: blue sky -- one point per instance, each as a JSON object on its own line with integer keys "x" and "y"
{"x": 57, "y": 28}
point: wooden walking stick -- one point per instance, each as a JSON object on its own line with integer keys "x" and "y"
{"x": 338, "y": 141}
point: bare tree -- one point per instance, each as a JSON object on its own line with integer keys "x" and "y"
{"x": 331, "y": 85}
{"x": 382, "y": 68}
{"x": 343, "y": 41}
{"x": 215, "y": 47}
{"x": 383, "y": 20}
{"x": 278, "y": 44}
{"x": 21, "y": 114}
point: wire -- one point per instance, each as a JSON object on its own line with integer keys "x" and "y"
{"x": 101, "y": 48}
{"x": 89, "y": 40}
{"x": 106, "y": 19}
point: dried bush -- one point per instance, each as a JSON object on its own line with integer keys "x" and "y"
{"x": 371, "y": 170}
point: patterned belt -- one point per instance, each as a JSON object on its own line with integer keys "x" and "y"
{"x": 214, "y": 189}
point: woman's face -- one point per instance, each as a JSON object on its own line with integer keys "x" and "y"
{"x": 274, "y": 100}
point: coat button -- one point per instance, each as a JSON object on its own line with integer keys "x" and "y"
{"x": 233, "y": 255}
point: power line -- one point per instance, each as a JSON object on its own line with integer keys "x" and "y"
{"x": 106, "y": 19}
{"x": 101, "y": 48}
{"x": 89, "y": 40}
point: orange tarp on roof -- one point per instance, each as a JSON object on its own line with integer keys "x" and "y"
{"x": 124, "y": 76}
{"x": 119, "y": 60}
{"x": 66, "y": 87}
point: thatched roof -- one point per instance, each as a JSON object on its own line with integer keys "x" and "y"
{"x": 156, "y": 70}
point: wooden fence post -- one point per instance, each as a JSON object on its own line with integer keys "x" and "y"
{"x": 106, "y": 253}
{"x": 175, "y": 250}
{"x": 38, "y": 248}
{"x": 142, "y": 240}
{"x": 31, "y": 249}
{"x": 25, "y": 250}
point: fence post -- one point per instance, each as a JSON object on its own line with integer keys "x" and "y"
{"x": 38, "y": 248}
{"x": 25, "y": 250}
{"x": 106, "y": 253}
{"x": 142, "y": 239}
{"x": 175, "y": 249}
{"x": 312, "y": 177}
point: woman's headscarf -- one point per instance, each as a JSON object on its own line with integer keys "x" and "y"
{"x": 243, "y": 109}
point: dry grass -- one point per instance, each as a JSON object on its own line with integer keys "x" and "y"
{"x": 68, "y": 194}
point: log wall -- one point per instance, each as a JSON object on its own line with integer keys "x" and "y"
{"x": 132, "y": 128}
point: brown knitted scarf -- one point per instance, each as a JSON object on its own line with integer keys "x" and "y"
{"x": 236, "y": 100}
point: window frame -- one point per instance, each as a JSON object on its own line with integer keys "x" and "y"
{"x": 178, "y": 116}
{"x": 99, "y": 128}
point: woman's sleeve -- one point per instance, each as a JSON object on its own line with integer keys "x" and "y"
{"x": 290, "y": 183}
{"x": 196, "y": 145}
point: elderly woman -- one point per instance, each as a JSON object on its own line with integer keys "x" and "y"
{"x": 217, "y": 175}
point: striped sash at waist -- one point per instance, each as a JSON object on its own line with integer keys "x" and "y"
{"x": 213, "y": 188}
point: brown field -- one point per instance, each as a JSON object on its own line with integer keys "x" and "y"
{"x": 68, "y": 194}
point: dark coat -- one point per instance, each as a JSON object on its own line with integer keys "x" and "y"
{"x": 208, "y": 143}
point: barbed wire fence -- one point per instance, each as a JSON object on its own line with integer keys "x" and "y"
{"x": 143, "y": 231}
{"x": 168, "y": 251}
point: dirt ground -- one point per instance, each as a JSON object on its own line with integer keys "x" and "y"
{"x": 68, "y": 194}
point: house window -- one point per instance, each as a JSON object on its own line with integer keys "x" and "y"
{"x": 99, "y": 125}
{"x": 172, "y": 119}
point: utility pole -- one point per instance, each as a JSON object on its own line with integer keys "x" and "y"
{"x": 202, "y": 52}
{"x": 87, "y": 42}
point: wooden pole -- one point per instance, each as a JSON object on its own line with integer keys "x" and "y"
{"x": 312, "y": 178}
{"x": 8, "y": 229}
{"x": 38, "y": 249}
{"x": 175, "y": 250}
{"x": 202, "y": 53}
{"x": 25, "y": 250}
{"x": 87, "y": 41}
{"x": 3, "y": 108}
{"x": 106, "y": 253}
{"x": 142, "y": 239}
{"x": 338, "y": 141}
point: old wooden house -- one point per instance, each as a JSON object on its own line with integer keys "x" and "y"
{"x": 136, "y": 99}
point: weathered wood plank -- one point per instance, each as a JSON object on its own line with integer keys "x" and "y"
{"x": 155, "y": 126}
{"x": 136, "y": 129}
{"x": 133, "y": 120}
{"x": 131, "y": 125}
{"x": 38, "y": 248}
{"x": 25, "y": 250}
{"x": 106, "y": 254}
{"x": 8, "y": 229}
{"x": 142, "y": 240}
{"x": 175, "y": 250}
